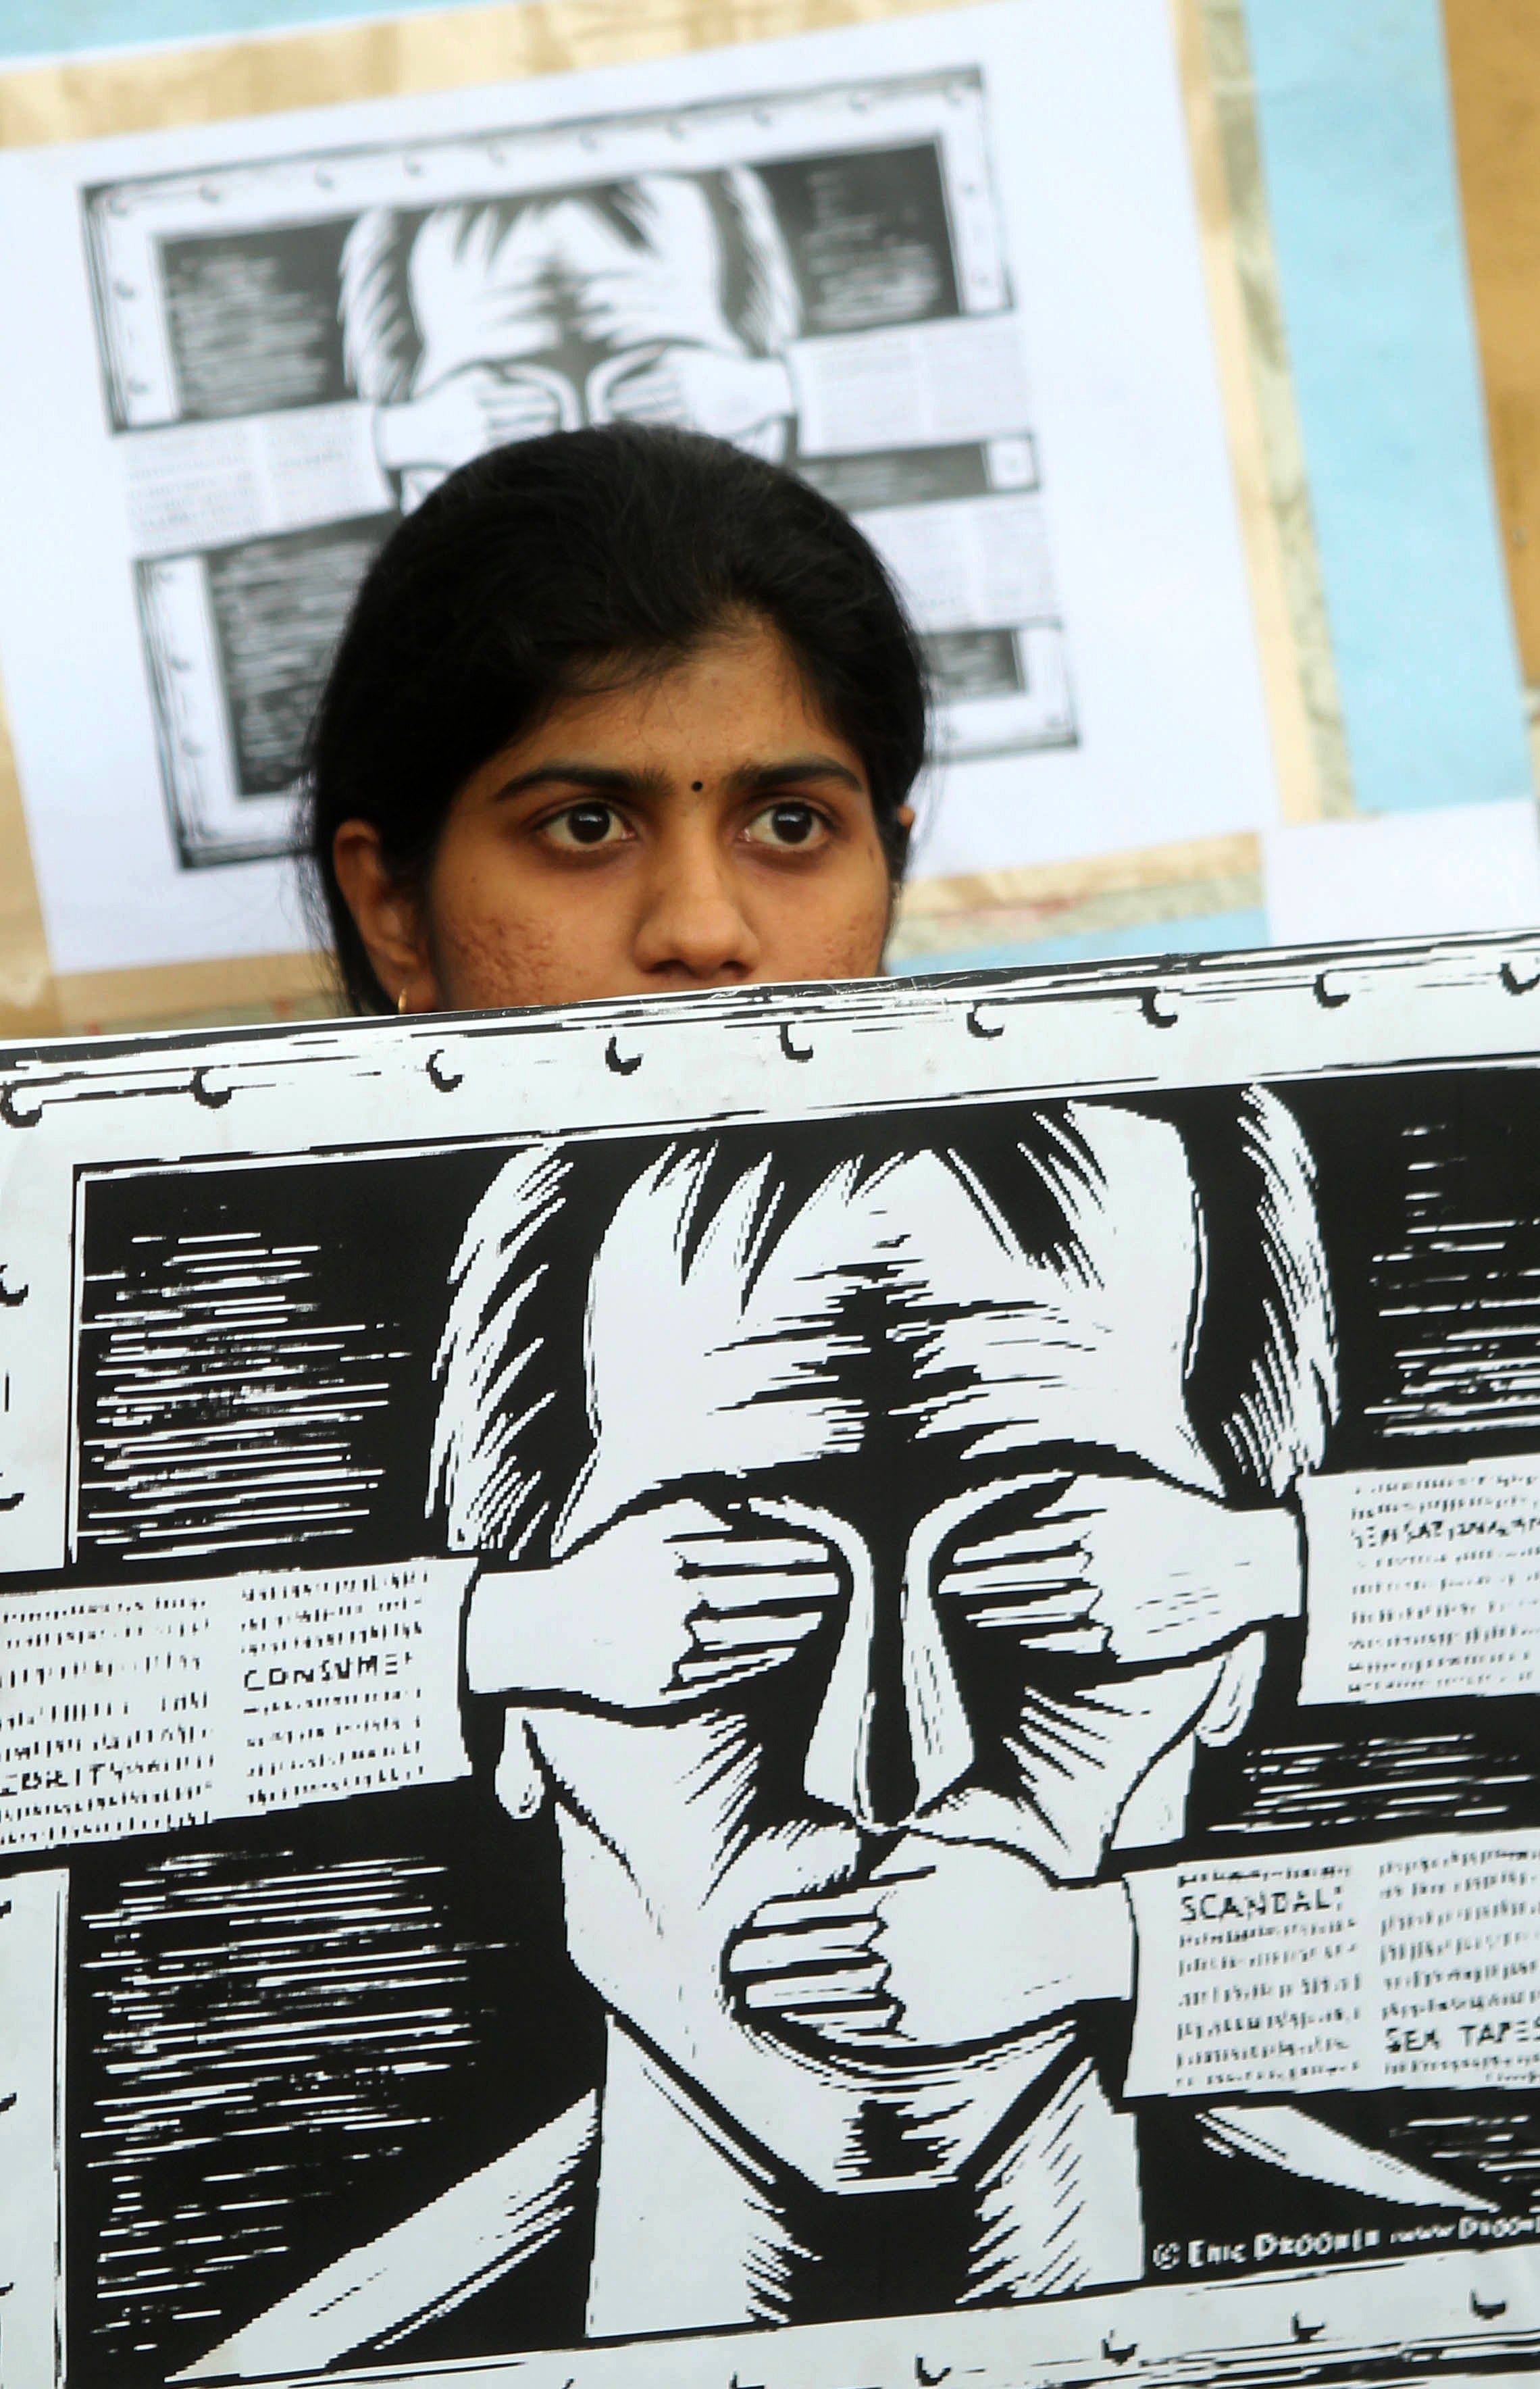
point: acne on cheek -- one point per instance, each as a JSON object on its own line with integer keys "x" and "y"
{"x": 485, "y": 961}
{"x": 853, "y": 958}
{"x": 849, "y": 948}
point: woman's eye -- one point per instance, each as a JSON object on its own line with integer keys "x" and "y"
{"x": 788, "y": 824}
{"x": 589, "y": 824}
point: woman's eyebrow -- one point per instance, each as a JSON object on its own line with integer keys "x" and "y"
{"x": 759, "y": 778}
{"x": 600, "y": 779}
{"x": 614, "y": 780}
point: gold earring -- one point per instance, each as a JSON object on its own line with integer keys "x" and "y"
{"x": 400, "y": 1000}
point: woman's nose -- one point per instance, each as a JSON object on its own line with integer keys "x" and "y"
{"x": 692, "y": 924}
{"x": 892, "y": 1735}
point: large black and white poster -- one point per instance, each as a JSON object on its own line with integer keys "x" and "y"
{"x": 804, "y": 1689}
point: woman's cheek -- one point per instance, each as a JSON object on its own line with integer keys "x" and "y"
{"x": 485, "y": 957}
{"x": 845, "y": 940}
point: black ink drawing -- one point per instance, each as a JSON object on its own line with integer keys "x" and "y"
{"x": 797, "y": 1762}
{"x": 295, "y": 351}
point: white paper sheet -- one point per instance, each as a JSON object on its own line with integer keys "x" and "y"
{"x": 178, "y": 476}
{"x": 1356, "y": 1969}
{"x": 1425, "y": 1583}
{"x": 1405, "y": 874}
{"x": 173, "y": 1705}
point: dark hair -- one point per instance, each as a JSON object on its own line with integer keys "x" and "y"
{"x": 514, "y": 1429}
{"x": 537, "y": 562}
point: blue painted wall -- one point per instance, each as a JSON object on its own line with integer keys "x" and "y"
{"x": 1363, "y": 192}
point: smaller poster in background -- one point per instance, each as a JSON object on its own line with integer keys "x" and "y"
{"x": 298, "y": 351}
{"x": 945, "y": 268}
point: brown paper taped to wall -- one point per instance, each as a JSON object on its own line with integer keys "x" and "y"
{"x": 84, "y": 98}
{"x": 1266, "y": 446}
{"x": 80, "y": 99}
{"x": 1494, "y": 48}
{"x": 1145, "y": 885}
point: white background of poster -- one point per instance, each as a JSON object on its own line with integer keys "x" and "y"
{"x": 1094, "y": 185}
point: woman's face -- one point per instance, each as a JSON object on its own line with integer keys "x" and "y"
{"x": 702, "y": 829}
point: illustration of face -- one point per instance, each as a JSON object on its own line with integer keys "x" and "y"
{"x": 498, "y": 320}
{"x": 572, "y": 281}
{"x": 898, "y": 1383}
